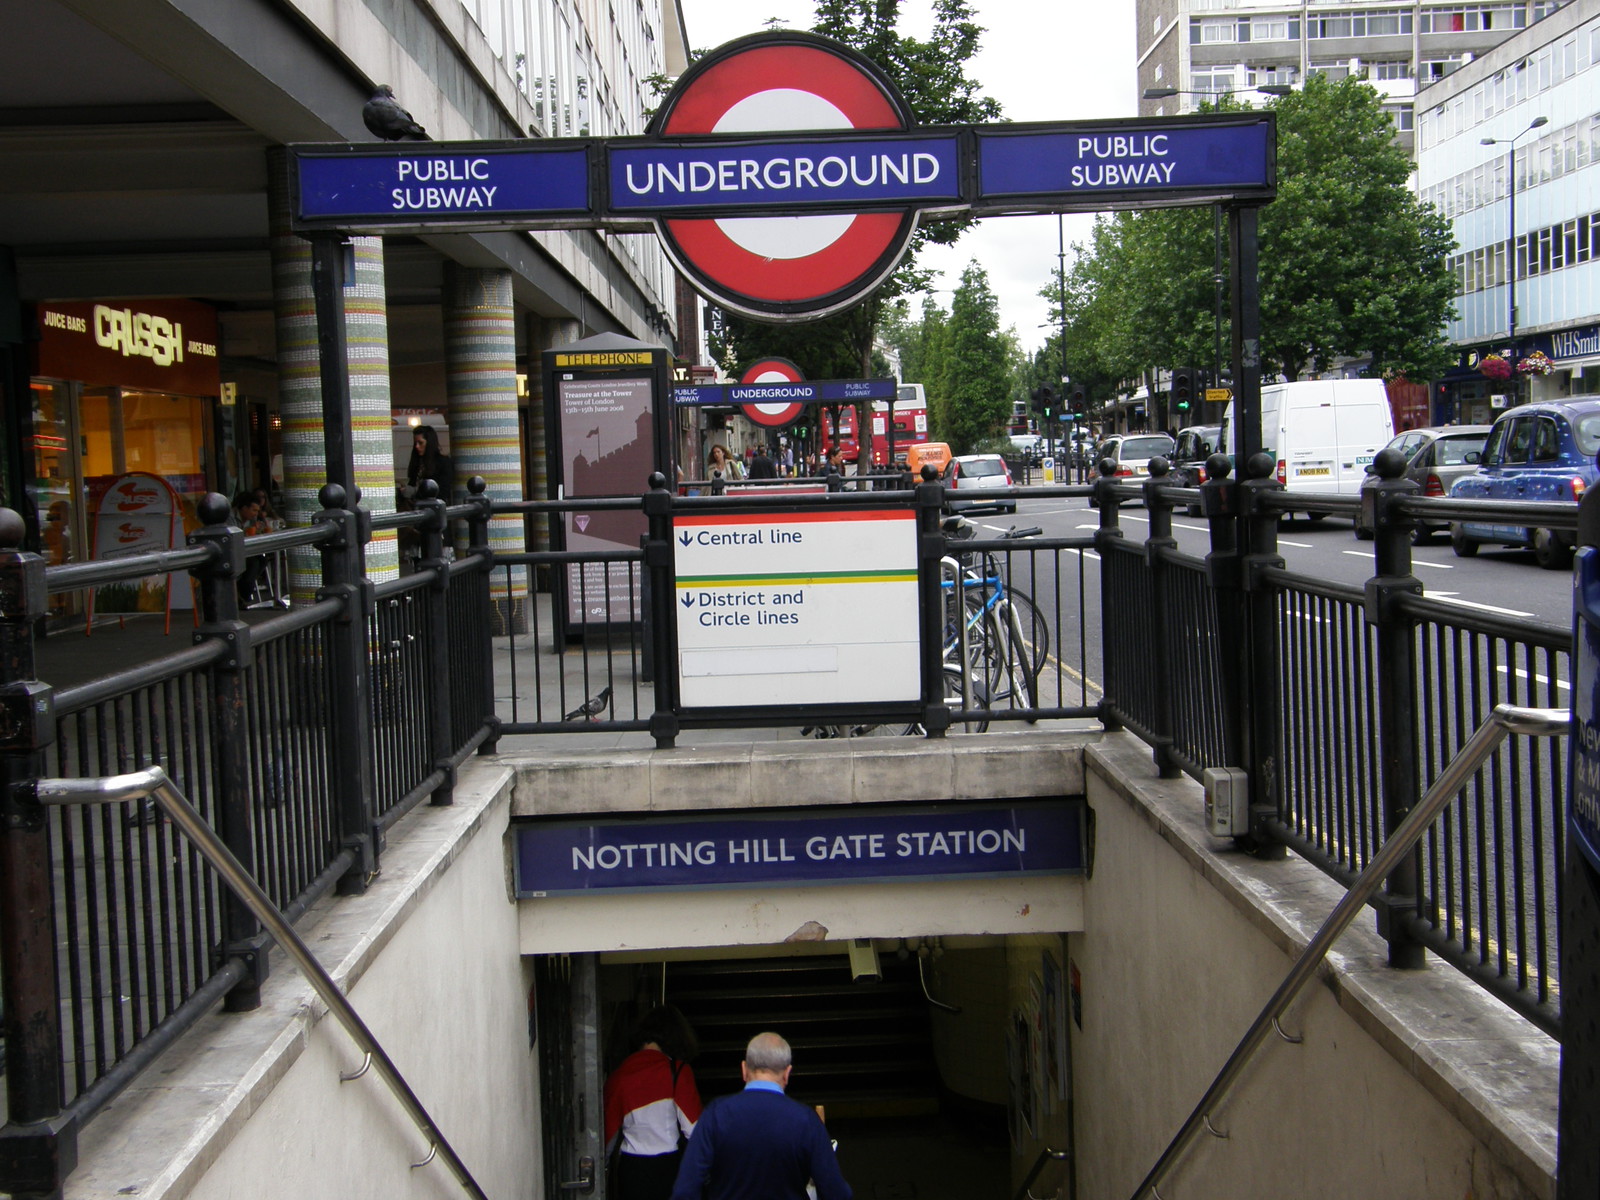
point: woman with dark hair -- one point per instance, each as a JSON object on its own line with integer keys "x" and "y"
{"x": 652, "y": 1105}
{"x": 429, "y": 462}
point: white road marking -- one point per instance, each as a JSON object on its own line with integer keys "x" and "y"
{"x": 1519, "y": 673}
{"x": 1449, "y": 598}
{"x": 1415, "y": 562}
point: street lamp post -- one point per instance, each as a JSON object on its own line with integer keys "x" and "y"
{"x": 1511, "y": 221}
{"x": 1219, "y": 271}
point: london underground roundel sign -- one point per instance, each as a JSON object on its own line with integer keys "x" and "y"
{"x": 789, "y": 267}
{"x": 777, "y": 413}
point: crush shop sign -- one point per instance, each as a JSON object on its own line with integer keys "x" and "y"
{"x": 828, "y": 846}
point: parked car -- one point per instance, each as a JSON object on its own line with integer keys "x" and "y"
{"x": 1130, "y": 453}
{"x": 1435, "y": 458}
{"x": 1196, "y": 443}
{"x": 1324, "y": 433}
{"x": 1540, "y": 453}
{"x": 975, "y": 473}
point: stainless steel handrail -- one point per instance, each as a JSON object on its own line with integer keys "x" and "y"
{"x": 136, "y": 785}
{"x": 1504, "y": 720}
{"x": 1047, "y": 1155}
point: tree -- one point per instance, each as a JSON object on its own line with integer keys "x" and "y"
{"x": 974, "y": 402}
{"x": 931, "y": 75}
{"x": 1351, "y": 263}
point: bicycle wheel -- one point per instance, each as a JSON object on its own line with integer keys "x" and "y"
{"x": 1035, "y": 629}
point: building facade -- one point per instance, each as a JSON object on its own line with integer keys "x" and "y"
{"x": 1526, "y": 114}
{"x": 156, "y": 316}
{"x": 1214, "y": 46}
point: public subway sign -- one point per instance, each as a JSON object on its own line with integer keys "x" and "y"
{"x": 863, "y": 844}
{"x": 784, "y": 175}
{"x": 806, "y": 391}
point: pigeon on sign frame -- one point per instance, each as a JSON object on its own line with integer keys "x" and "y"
{"x": 385, "y": 118}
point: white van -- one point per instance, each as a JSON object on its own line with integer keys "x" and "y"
{"x": 1324, "y": 433}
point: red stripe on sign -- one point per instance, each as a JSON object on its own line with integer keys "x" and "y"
{"x": 787, "y": 280}
{"x": 842, "y": 84}
{"x": 794, "y": 518}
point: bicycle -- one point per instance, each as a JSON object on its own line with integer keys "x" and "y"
{"x": 995, "y": 628}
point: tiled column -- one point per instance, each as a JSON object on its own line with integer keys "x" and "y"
{"x": 300, "y": 387}
{"x": 480, "y": 355}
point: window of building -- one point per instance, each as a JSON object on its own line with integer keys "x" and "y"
{"x": 1400, "y": 114}
{"x": 1397, "y": 68}
{"x": 1260, "y": 76}
{"x": 1214, "y": 31}
{"x": 1212, "y": 79}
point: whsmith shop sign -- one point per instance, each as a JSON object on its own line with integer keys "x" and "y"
{"x": 768, "y": 129}
{"x": 854, "y": 845}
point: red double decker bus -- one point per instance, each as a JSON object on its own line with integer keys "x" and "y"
{"x": 910, "y": 426}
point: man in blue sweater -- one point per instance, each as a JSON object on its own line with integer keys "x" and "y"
{"x": 758, "y": 1144}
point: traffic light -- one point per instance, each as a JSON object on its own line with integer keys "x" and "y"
{"x": 1044, "y": 400}
{"x": 1182, "y": 388}
{"x": 1080, "y": 400}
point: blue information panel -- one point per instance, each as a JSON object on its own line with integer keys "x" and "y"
{"x": 856, "y": 845}
{"x": 1129, "y": 158}
{"x": 1585, "y": 789}
{"x": 455, "y": 182}
{"x": 811, "y": 391}
{"x": 856, "y": 174}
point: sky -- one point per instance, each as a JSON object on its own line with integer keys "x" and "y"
{"x": 1042, "y": 62}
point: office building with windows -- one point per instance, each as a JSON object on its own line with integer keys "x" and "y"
{"x": 1524, "y": 116}
{"x": 1214, "y": 46}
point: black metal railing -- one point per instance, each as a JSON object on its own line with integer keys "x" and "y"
{"x": 1342, "y": 703}
{"x": 299, "y": 735}
{"x": 303, "y": 735}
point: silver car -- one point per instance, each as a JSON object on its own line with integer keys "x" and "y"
{"x": 1435, "y": 458}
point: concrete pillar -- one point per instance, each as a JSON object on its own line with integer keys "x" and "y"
{"x": 300, "y": 387}
{"x": 480, "y": 358}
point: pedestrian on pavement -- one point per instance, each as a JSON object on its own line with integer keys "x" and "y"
{"x": 762, "y": 466}
{"x": 759, "y": 1144}
{"x": 651, "y": 1105}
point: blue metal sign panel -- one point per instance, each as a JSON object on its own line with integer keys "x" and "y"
{"x": 458, "y": 183}
{"x": 811, "y": 391}
{"x": 856, "y": 172}
{"x": 1584, "y": 792}
{"x": 1131, "y": 157}
{"x": 856, "y": 845}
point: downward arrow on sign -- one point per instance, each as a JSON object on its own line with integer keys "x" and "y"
{"x": 688, "y": 601}
{"x": 684, "y": 539}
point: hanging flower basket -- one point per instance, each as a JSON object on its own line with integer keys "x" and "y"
{"x": 1536, "y": 364}
{"x": 1494, "y": 367}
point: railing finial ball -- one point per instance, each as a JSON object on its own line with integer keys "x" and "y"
{"x": 12, "y": 529}
{"x": 1389, "y": 463}
{"x": 1158, "y": 467}
{"x": 657, "y": 481}
{"x": 1261, "y": 465}
{"x": 214, "y": 509}
{"x": 1107, "y": 467}
{"x": 929, "y": 473}
{"x": 1219, "y": 466}
{"x": 428, "y": 489}
{"x": 331, "y": 495}
{"x": 477, "y": 485}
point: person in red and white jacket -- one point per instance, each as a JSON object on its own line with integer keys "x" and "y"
{"x": 652, "y": 1105}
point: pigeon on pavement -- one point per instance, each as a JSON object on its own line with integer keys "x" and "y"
{"x": 387, "y": 120}
{"x": 591, "y": 708}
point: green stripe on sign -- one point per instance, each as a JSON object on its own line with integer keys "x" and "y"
{"x": 801, "y": 577}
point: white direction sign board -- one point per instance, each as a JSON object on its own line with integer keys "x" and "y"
{"x": 797, "y": 608}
